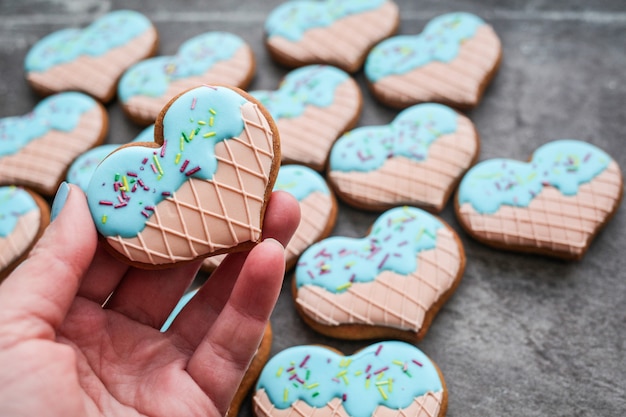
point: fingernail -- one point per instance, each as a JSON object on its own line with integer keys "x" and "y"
{"x": 59, "y": 200}
{"x": 275, "y": 242}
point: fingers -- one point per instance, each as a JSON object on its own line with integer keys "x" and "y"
{"x": 102, "y": 277}
{"x": 281, "y": 220}
{"x": 220, "y": 361}
{"x": 42, "y": 288}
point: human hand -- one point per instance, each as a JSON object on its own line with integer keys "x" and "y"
{"x": 79, "y": 330}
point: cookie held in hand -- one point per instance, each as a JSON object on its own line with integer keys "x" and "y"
{"x": 553, "y": 205}
{"x": 333, "y": 32}
{"x": 418, "y": 159}
{"x": 312, "y": 107}
{"x": 92, "y": 59}
{"x": 200, "y": 189}
{"x": 36, "y": 149}
{"x": 389, "y": 378}
{"x": 23, "y": 218}
{"x": 389, "y": 284}
{"x": 451, "y": 62}
{"x": 209, "y": 58}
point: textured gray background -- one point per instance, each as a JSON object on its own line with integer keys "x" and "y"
{"x": 522, "y": 335}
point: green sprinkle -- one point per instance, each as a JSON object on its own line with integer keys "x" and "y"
{"x": 104, "y": 219}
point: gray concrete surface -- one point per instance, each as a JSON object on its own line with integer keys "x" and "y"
{"x": 523, "y": 335}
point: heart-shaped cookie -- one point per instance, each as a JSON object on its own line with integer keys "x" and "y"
{"x": 313, "y": 106}
{"x": 23, "y": 217}
{"x": 452, "y": 61}
{"x": 318, "y": 211}
{"x": 334, "y": 32}
{"x": 84, "y": 166}
{"x": 201, "y": 189}
{"x": 554, "y": 205}
{"x": 390, "y": 283}
{"x": 91, "y": 59}
{"x": 416, "y": 160}
{"x": 389, "y": 378}
{"x": 210, "y": 58}
{"x": 37, "y": 148}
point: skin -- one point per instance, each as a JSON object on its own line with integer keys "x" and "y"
{"x": 79, "y": 330}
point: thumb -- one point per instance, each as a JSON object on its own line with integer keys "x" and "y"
{"x": 41, "y": 290}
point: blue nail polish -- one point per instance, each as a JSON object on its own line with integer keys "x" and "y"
{"x": 59, "y": 200}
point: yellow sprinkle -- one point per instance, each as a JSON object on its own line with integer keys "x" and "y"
{"x": 104, "y": 219}
{"x": 325, "y": 267}
{"x": 311, "y": 386}
{"x": 397, "y": 362}
{"x": 208, "y": 135}
{"x": 201, "y": 122}
{"x": 381, "y": 383}
{"x": 380, "y": 389}
{"x": 389, "y": 388}
{"x": 125, "y": 180}
{"x": 344, "y": 286}
{"x": 357, "y": 373}
{"x": 367, "y": 383}
{"x": 182, "y": 144}
{"x": 285, "y": 395}
{"x": 342, "y": 373}
{"x": 192, "y": 134}
{"x": 211, "y": 121}
{"x": 380, "y": 376}
{"x": 212, "y": 112}
{"x": 157, "y": 164}
{"x": 177, "y": 160}
{"x": 345, "y": 379}
{"x": 280, "y": 371}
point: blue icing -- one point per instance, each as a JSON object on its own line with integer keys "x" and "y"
{"x": 563, "y": 164}
{"x": 396, "y": 238}
{"x": 177, "y": 309}
{"x": 317, "y": 375}
{"x": 300, "y": 181}
{"x": 84, "y": 166}
{"x": 440, "y": 41}
{"x": 60, "y": 112}
{"x": 313, "y": 85}
{"x": 129, "y": 183}
{"x": 292, "y": 19}
{"x": 14, "y": 203}
{"x": 195, "y": 57}
{"x": 409, "y": 135}
{"x": 110, "y": 31}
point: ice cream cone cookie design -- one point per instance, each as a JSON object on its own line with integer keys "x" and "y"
{"x": 553, "y": 205}
{"x": 416, "y": 160}
{"x": 389, "y": 378}
{"x": 92, "y": 59}
{"x": 84, "y": 166}
{"x": 451, "y": 62}
{"x": 23, "y": 217}
{"x": 334, "y": 32}
{"x": 389, "y": 284}
{"x": 200, "y": 189}
{"x": 36, "y": 149}
{"x": 313, "y": 106}
{"x": 318, "y": 211}
{"x": 210, "y": 58}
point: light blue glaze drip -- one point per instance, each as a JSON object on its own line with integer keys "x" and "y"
{"x": 313, "y": 85}
{"x": 292, "y": 19}
{"x": 110, "y": 31}
{"x": 60, "y": 112}
{"x": 440, "y": 41}
{"x": 563, "y": 164}
{"x": 300, "y": 181}
{"x": 14, "y": 203}
{"x": 196, "y": 56}
{"x": 186, "y": 124}
{"x": 397, "y": 236}
{"x": 411, "y": 372}
{"x": 410, "y": 135}
{"x": 84, "y": 166}
{"x": 177, "y": 309}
